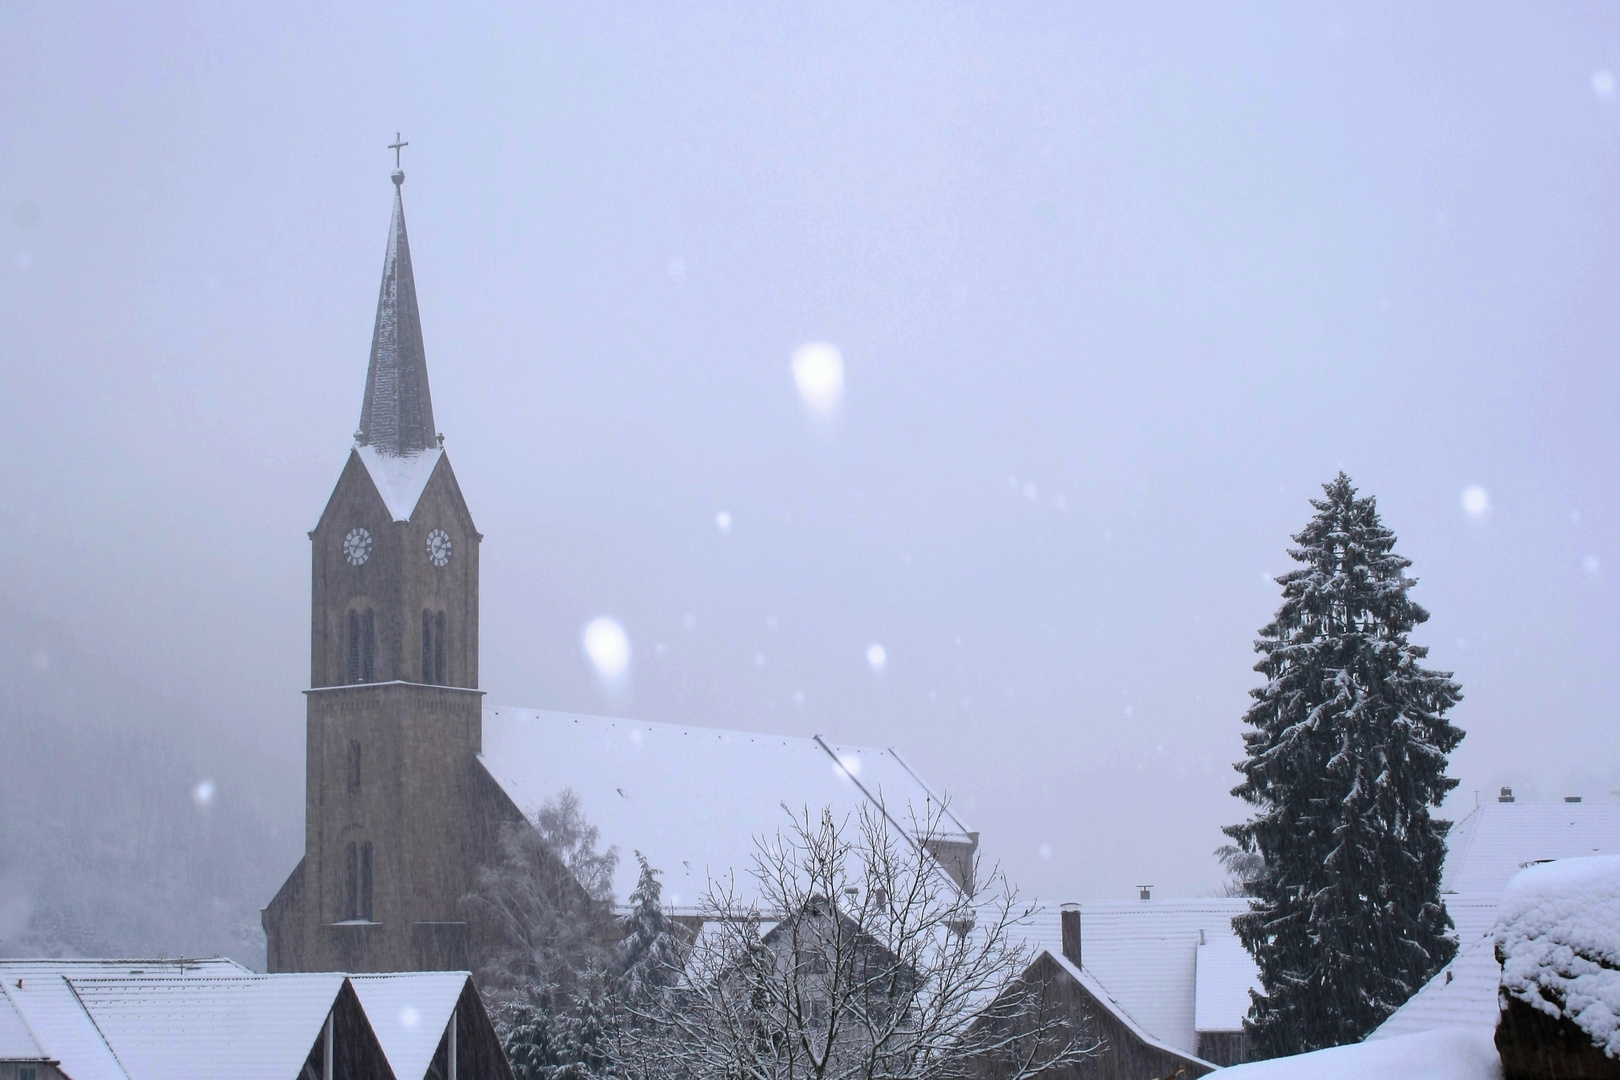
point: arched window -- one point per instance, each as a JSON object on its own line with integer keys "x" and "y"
{"x": 351, "y": 890}
{"x": 368, "y": 649}
{"x": 427, "y": 645}
{"x": 365, "y": 881}
{"x": 354, "y": 646}
{"x": 438, "y": 648}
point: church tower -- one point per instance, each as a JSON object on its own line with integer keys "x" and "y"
{"x": 394, "y": 710}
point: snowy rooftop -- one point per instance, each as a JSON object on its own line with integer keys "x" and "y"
{"x": 1497, "y": 840}
{"x": 201, "y": 1029}
{"x": 1226, "y": 973}
{"x": 1461, "y": 995}
{"x": 40, "y": 993}
{"x": 692, "y": 800}
{"x": 123, "y": 1019}
{"x": 1146, "y": 955}
{"x": 16, "y": 1041}
{"x": 409, "y": 1014}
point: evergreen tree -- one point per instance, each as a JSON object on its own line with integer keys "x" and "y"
{"x": 1346, "y": 757}
{"x": 650, "y": 953}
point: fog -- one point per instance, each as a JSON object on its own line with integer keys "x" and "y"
{"x": 1109, "y": 294}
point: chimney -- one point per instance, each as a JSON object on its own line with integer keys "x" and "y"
{"x": 1506, "y": 796}
{"x": 1070, "y": 914}
{"x": 1572, "y": 798}
{"x": 1145, "y": 891}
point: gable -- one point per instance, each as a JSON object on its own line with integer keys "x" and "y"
{"x": 692, "y": 800}
{"x": 400, "y": 480}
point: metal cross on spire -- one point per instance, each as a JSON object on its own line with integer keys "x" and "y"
{"x": 396, "y": 146}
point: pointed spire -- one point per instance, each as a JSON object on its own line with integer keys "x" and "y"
{"x": 397, "y": 416}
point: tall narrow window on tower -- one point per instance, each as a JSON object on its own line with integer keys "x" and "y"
{"x": 438, "y": 648}
{"x": 354, "y": 766}
{"x": 365, "y": 881}
{"x": 354, "y": 646}
{"x": 368, "y": 649}
{"x": 351, "y": 891}
{"x": 427, "y": 645}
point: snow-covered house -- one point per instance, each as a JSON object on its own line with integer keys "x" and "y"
{"x": 1486, "y": 850}
{"x": 202, "y": 1019}
{"x": 410, "y": 777}
{"x": 1173, "y": 966}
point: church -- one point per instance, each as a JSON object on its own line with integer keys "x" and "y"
{"x": 410, "y": 777}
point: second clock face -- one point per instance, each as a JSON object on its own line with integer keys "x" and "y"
{"x": 357, "y": 546}
{"x": 438, "y": 547}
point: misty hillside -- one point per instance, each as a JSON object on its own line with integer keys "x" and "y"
{"x": 127, "y": 826}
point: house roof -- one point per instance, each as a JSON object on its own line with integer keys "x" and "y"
{"x": 203, "y": 1028}
{"x": 692, "y": 800}
{"x": 16, "y": 1041}
{"x": 409, "y": 1014}
{"x": 1100, "y": 994}
{"x": 1497, "y": 840}
{"x": 1461, "y": 995}
{"x": 1145, "y": 953}
{"x": 1225, "y": 975}
{"x": 133, "y": 1019}
{"x": 40, "y": 993}
{"x": 1486, "y": 849}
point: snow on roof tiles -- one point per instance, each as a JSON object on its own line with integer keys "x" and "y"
{"x": 1225, "y": 974}
{"x": 400, "y": 479}
{"x": 693, "y": 800}
{"x": 1461, "y": 995}
{"x": 1100, "y": 993}
{"x": 1497, "y": 840}
{"x": 1145, "y": 953}
{"x": 16, "y": 1041}
{"x": 40, "y": 993}
{"x": 204, "y": 1028}
{"x": 409, "y": 1012}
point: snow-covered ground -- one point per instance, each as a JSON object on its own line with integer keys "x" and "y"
{"x": 1447, "y": 1054}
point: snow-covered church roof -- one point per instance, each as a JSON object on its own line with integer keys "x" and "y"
{"x": 693, "y": 800}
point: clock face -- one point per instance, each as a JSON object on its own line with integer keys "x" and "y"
{"x": 357, "y": 546}
{"x": 438, "y": 547}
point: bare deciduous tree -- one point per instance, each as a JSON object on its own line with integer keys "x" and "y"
{"x": 855, "y": 957}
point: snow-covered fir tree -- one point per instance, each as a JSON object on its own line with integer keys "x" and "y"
{"x": 1347, "y": 755}
{"x": 650, "y": 956}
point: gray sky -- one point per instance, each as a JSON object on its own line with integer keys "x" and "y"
{"x": 1116, "y": 287}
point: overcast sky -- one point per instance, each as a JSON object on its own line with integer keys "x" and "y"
{"x": 1116, "y": 288}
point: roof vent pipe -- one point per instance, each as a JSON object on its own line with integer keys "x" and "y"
{"x": 1070, "y": 916}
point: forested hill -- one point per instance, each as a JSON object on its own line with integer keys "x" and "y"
{"x": 128, "y": 825}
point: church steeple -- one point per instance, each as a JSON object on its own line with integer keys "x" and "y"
{"x": 396, "y": 418}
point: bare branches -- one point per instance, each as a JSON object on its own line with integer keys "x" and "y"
{"x": 852, "y": 955}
